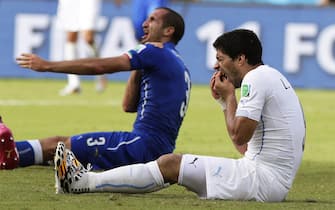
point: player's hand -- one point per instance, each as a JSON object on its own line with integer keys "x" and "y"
{"x": 222, "y": 86}
{"x": 214, "y": 93}
{"x": 32, "y": 61}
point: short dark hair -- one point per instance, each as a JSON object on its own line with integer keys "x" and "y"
{"x": 174, "y": 19}
{"x": 238, "y": 42}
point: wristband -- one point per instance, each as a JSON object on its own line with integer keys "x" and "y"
{"x": 222, "y": 103}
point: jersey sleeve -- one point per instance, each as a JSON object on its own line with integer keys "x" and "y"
{"x": 253, "y": 96}
{"x": 143, "y": 57}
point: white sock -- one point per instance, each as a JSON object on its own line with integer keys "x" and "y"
{"x": 37, "y": 148}
{"x": 137, "y": 178}
{"x": 70, "y": 53}
{"x": 91, "y": 51}
{"x": 73, "y": 80}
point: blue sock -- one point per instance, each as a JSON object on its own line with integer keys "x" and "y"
{"x": 30, "y": 152}
{"x": 26, "y": 153}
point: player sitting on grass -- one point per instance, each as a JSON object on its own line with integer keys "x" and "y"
{"x": 267, "y": 126}
{"x": 158, "y": 91}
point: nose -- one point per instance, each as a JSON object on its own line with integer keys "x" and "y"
{"x": 145, "y": 23}
{"x": 216, "y": 66}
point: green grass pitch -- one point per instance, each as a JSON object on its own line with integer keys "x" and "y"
{"x": 33, "y": 109}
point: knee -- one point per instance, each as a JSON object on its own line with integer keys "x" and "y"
{"x": 89, "y": 37}
{"x": 169, "y": 166}
{"x": 65, "y": 139}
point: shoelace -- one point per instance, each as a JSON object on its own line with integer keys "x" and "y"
{"x": 74, "y": 173}
{"x": 89, "y": 167}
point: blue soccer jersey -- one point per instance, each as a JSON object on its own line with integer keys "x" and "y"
{"x": 165, "y": 92}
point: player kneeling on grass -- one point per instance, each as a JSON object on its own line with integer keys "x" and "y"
{"x": 266, "y": 126}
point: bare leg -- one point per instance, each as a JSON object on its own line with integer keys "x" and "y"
{"x": 169, "y": 165}
{"x": 49, "y": 146}
{"x": 89, "y": 37}
{"x": 70, "y": 53}
{"x": 72, "y": 36}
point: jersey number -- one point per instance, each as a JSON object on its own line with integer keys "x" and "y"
{"x": 95, "y": 142}
{"x": 184, "y": 105}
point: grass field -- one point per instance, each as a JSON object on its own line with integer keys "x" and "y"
{"x": 32, "y": 109}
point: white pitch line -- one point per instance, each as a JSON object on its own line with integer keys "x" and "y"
{"x": 15, "y": 102}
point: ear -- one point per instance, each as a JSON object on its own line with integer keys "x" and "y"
{"x": 242, "y": 59}
{"x": 168, "y": 31}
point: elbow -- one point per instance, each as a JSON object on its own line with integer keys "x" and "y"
{"x": 240, "y": 145}
{"x": 238, "y": 140}
{"x": 127, "y": 108}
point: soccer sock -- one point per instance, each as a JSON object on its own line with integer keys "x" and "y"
{"x": 70, "y": 53}
{"x": 136, "y": 178}
{"x": 91, "y": 50}
{"x": 30, "y": 152}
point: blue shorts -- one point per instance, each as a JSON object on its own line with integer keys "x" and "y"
{"x": 106, "y": 150}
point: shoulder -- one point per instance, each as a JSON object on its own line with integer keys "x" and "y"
{"x": 148, "y": 47}
{"x": 262, "y": 74}
{"x": 257, "y": 80}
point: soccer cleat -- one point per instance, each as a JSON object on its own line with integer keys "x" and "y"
{"x": 59, "y": 163}
{"x": 69, "y": 90}
{"x": 9, "y": 157}
{"x": 71, "y": 176}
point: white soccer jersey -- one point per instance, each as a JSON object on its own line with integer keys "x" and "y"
{"x": 274, "y": 153}
{"x": 278, "y": 141}
{"x": 78, "y": 15}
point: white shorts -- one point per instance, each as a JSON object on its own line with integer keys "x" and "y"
{"x": 78, "y": 15}
{"x": 230, "y": 179}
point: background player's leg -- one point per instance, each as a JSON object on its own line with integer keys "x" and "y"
{"x": 91, "y": 51}
{"x": 70, "y": 53}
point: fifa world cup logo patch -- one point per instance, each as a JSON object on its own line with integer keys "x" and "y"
{"x": 245, "y": 90}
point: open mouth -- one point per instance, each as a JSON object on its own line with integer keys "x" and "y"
{"x": 145, "y": 35}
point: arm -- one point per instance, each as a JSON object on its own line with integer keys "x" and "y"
{"x": 89, "y": 66}
{"x": 240, "y": 129}
{"x": 132, "y": 93}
